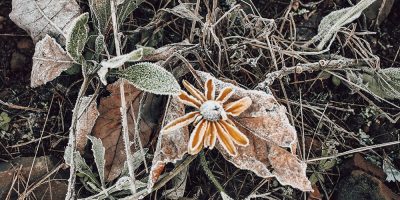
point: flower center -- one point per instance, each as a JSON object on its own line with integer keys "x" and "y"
{"x": 212, "y": 110}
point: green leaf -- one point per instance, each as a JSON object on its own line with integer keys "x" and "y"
{"x": 98, "y": 153}
{"x": 151, "y": 78}
{"x": 126, "y": 8}
{"x": 384, "y": 83}
{"x": 118, "y": 61}
{"x": 101, "y": 11}
{"x": 80, "y": 163}
{"x": 76, "y": 39}
{"x": 99, "y": 46}
{"x": 4, "y": 120}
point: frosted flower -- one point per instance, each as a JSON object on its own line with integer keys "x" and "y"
{"x": 211, "y": 118}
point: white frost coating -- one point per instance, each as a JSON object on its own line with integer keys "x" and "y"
{"x": 212, "y": 111}
{"x": 39, "y": 17}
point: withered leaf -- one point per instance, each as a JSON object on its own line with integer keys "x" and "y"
{"x": 49, "y": 61}
{"x": 39, "y": 17}
{"x": 265, "y": 118}
{"x": 172, "y": 146}
{"x": 87, "y": 115}
{"x": 266, "y": 125}
{"x": 108, "y": 126}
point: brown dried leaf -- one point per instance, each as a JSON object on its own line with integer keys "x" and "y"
{"x": 265, "y": 118}
{"x": 266, "y": 125}
{"x": 49, "y": 61}
{"x": 34, "y": 16}
{"x": 172, "y": 146}
{"x": 108, "y": 126}
{"x": 87, "y": 115}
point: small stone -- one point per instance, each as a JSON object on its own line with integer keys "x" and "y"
{"x": 25, "y": 44}
{"x": 18, "y": 61}
{"x": 360, "y": 185}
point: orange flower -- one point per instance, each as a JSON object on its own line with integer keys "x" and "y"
{"x": 211, "y": 118}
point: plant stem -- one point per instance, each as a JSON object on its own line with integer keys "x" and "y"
{"x": 210, "y": 175}
{"x": 72, "y": 137}
{"x": 123, "y": 109}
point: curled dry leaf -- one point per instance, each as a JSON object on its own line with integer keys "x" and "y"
{"x": 87, "y": 115}
{"x": 41, "y": 17}
{"x": 266, "y": 125}
{"x": 171, "y": 146}
{"x": 108, "y": 126}
{"x": 49, "y": 61}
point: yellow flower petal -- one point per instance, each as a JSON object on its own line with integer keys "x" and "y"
{"x": 189, "y": 100}
{"x": 194, "y": 91}
{"x": 225, "y": 140}
{"x": 209, "y": 89}
{"x": 180, "y": 122}
{"x": 197, "y": 136}
{"x": 237, "y": 107}
{"x": 225, "y": 94}
{"x": 213, "y": 136}
{"x": 238, "y": 137}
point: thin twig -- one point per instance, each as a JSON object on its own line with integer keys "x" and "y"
{"x": 355, "y": 151}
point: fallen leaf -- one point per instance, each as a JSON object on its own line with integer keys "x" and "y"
{"x": 87, "y": 115}
{"x": 266, "y": 125}
{"x": 49, "y": 61}
{"x": 39, "y": 17}
{"x": 172, "y": 146}
{"x": 108, "y": 126}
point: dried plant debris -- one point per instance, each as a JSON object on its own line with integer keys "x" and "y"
{"x": 41, "y": 17}
{"x": 49, "y": 61}
{"x": 108, "y": 126}
{"x": 87, "y": 115}
{"x": 171, "y": 146}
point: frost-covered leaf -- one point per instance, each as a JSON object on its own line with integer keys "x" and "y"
{"x": 392, "y": 173}
{"x": 49, "y": 61}
{"x": 171, "y": 147}
{"x": 178, "y": 185}
{"x": 268, "y": 129}
{"x": 108, "y": 125}
{"x": 225, "y": 196}
{"x": 98, "y": 154}
{"x": 42, "y": 17}
{"x": 331, "y": 23}
{"x": 151, "y": 78}
{"x": 384, "y": 83}
{"x": 87, "y": 115}
{"x": 125, "y": 8}
{"x": 185, "y": 11}
{"x": 80, "y": 163}
{"x": 77, "y": 36}
{"x": 118, "y": 61}
{"x": 101, "y": 11}
{"x": 99, "y": 45}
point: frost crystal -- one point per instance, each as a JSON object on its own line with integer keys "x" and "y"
{"x": 212, "y": 111}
